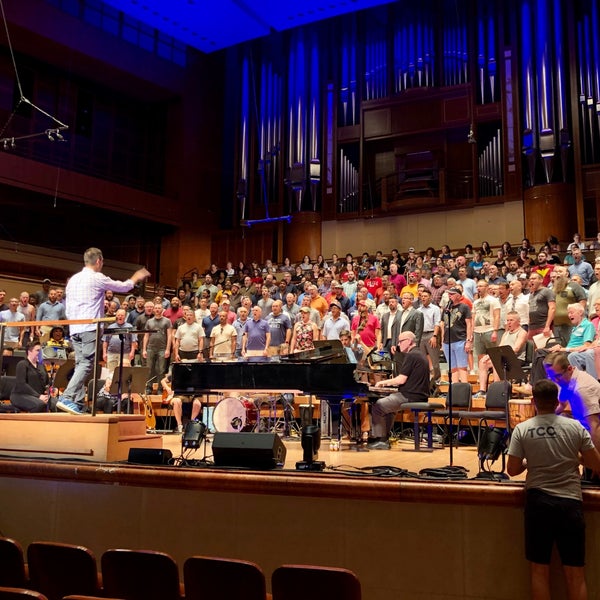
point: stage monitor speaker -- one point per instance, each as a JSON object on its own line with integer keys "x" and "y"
{"x": 149, "y": 456}
{"x": 250, "y": 450}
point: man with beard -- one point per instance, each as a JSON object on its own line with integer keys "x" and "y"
{"x": 565, "y": 292}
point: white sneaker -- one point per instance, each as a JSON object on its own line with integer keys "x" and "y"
{"x": 179, "y": 428}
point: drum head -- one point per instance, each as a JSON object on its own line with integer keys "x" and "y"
{"x": 230, "y": 415}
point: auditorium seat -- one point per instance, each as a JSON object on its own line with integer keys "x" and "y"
{"x": 57, "y": 569}
{"x": 298, "y": 582}
{"x": 12, "y": 564}
{"x": 11, "y": 593}
{"x": 140, "y": 575}
{"x": 222, "y": 579}
{"x": 78, "y": 597}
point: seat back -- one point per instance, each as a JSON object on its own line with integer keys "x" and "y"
{"x": 57, "y": 569}
{"x": 12, "y": 593}
{"x": 222, "y": 579}
{"x": 12, "y": 564}
{"x": 298, "y": 582}
{"x": 497, "y": 396}
{"x": 140, "y": 575}
{"x": 461, "y": 396}
{"x": 78, "y": 597}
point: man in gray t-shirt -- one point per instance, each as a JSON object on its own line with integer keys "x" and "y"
{"x": 548, "y": 447}
{"x": 157, "y": 345}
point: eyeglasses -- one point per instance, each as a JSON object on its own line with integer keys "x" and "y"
{"x": 555, "y": 376}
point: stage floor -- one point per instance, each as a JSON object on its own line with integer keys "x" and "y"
{"x": 350, "y": 459}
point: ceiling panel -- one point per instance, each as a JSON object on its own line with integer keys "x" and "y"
{"x": 211, "y": 25}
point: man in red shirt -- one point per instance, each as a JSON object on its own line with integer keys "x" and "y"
{"x": 372, "y": 281}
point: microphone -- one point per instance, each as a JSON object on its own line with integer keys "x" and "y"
{"x": 449, "y": 306}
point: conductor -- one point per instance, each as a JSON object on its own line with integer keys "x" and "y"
{"x": 85, "y": 300}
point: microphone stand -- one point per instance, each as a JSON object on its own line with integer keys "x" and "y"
{"x": 448, "y": 315}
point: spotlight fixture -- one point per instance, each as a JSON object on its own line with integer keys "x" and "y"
{"x": 49, "y": 135}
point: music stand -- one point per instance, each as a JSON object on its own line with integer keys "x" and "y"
{"x": 506, "y": 363}
{"x": 61, "y": 379}
{"x": 134, "y": 378}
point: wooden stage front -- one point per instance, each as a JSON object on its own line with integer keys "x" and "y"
{"x": 405, "y": 538}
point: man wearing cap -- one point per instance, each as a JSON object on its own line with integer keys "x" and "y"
{"x": 235, "y": 297}
{"x": 42, "y": 295}
{"x": 457, "y": 328}
{"x": 138, "y": 310}
{"x": 336, "y": 322}
{"x": 413, "y": 386}
{"x": 337, "y": 294}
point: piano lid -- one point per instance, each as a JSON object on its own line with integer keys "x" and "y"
{"x": 324, "y": 351}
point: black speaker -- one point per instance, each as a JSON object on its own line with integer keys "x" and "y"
{"x": 250, "y": 450}
{"x": 149, "y": 456}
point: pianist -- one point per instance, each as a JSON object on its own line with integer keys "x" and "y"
{"x": 413, "y": 386}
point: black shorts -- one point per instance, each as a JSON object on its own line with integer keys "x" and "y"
{"x": 551, "y": 519}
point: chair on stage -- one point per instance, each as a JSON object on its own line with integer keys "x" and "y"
{"x": 462, "y": 395}
{"x": 140, "y": 575}
{"x": 12, "y": 564}
{"x": 298, "y": 582}
{"x": 222, "y": 579}
{"x": 12, "y": 593}
{"x": 496, "y": 406}
{"x": 57, "y": 569}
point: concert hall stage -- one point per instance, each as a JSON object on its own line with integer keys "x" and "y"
{"x": 404, "y": 537}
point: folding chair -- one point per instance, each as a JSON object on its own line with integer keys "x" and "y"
{"x": 496, "y": 406}
{"x": 461, "y": 400}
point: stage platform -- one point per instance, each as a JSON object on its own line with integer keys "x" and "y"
{"x": 103, "y": 438}
{"x": 404, "y": 536}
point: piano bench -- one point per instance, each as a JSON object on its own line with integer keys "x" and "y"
{"x": 417, "y": 408}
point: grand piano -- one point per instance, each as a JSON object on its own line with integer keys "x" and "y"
{"x": 325, "y": 371}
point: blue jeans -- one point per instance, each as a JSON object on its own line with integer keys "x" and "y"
{"x": 84, "y": 345}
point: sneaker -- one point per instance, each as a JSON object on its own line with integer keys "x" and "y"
{"x": 380, "y": 445}
{"x": 479, "y": 394}
{"x": 69, "y": 407}
{"x": 179, "y": 428}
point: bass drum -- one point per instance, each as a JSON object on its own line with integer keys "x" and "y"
{"x": 234, "y": 415}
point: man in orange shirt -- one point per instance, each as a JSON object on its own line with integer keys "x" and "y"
{"x": 317, "y": 301}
